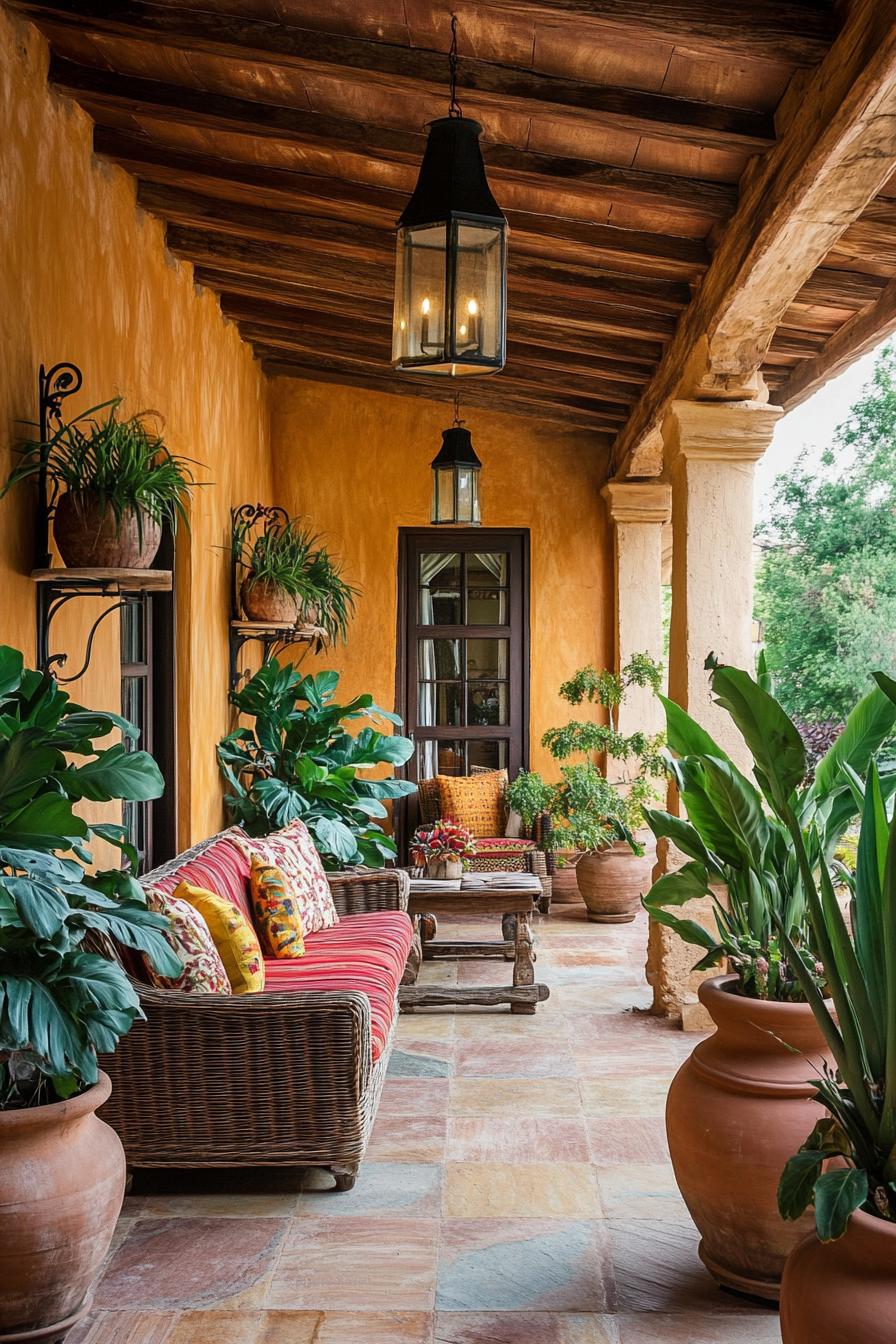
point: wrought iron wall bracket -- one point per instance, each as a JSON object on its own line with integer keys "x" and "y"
{"x": 56, "y": 588}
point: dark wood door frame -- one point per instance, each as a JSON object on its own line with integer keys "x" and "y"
{"x": 413, "y": 540}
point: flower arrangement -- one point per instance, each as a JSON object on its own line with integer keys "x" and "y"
{"x": 442, "y": 839}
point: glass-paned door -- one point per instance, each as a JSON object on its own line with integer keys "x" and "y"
{"x": 465, "y": 647}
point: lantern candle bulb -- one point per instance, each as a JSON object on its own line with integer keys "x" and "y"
{"x": 424, "y": 324}
{"x": 474, "y": 319}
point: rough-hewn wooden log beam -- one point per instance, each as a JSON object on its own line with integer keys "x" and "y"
{"x": 319, "y": 235}
{"x": 831, "y": 161}
{"x": 533, "y": 233}
{"x": 862, "y": 333}
{"x": 404, "y": 70}
{"x": 98, "y": 88}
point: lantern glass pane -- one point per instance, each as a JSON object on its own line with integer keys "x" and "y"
{"x": 465, "y": 478}
{"x": 443, "y": 498}
{"x": 479, "y": 292}
{"x": 419, "y": 313}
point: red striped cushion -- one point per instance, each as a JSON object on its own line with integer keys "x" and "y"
{"x": 365, "y": 952}
{"x": 223, "y": 868}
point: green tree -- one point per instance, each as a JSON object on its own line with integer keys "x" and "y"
{"x": 826, "y": 587}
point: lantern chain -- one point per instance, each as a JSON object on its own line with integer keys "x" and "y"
{"x": 454, "y": 109}
{"x": 457, "y": 420}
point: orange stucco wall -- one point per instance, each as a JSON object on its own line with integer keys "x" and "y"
{"x": 84, "y": 276}
{"x": 356, "y": 463}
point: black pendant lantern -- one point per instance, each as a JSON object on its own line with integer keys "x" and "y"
{"x": 450, "y": 273}
{"x": 455, "y": 477}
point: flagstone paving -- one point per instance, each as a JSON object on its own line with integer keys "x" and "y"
{"x": 517, "y": 1190}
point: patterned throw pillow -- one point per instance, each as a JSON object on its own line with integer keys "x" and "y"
{"x": 203, "y": 971}
{"x": 277, "y": 917}
{"x": 292, "y": 851}
{"x": 234, "y": 937}
{"x": 475, "y": 801}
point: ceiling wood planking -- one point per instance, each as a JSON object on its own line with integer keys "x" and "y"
{"x": 99, "y": 88}
{"x": 400, "y": 69}
{"x": 864, "y": 332}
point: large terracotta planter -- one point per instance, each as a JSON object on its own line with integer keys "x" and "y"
{"x": 842, "y": 1290}
{"x": 89, "y": 536}
{"x": 61, "y": 1190}
{"x": 266, "y": 601}
{"x": 738, "y": 1108}
{"x": 611, "y": 881}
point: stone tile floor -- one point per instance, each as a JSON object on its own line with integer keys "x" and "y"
{"x": 517, "y": 1190}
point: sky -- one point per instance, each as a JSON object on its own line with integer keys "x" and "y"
{"x": 810, "y": 425}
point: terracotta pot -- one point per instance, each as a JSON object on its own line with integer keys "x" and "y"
{"x": 738, "y": 1108}
{"x": 60, "y": 1195}
{"x": 842, "y": 1290}
{"x": 266, "y": 601}
{"x": 88, "y": 535}
{"x": 611, "y": 881}
{"x": 565, "y": 884}
{"x": 443, "y": 870}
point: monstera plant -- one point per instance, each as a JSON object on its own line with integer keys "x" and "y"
{"x": 300, "y": 761}
{"x": 61, "y": 1001}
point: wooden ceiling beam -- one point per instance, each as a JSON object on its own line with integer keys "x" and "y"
{"x": 99, "y": 88}
{"x": 411, "y": 69}
{"x": 830, "y": 162}
{"x": 862, "y": 333}
{"x": 626, "y": 361}
{"x": 308, "y": 278}
{"x": 319, "y": 235}
{"x": 626, "y": 249}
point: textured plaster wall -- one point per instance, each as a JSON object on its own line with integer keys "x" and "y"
{"x": 356, "y": 464}
{"x": 84, "y": 276}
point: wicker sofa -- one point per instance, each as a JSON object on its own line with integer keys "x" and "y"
{"x": 288, "y": 1077}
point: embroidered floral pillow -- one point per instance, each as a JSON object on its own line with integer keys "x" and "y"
{"x": 292, "y": 851}
{"x": 190, "y": 938}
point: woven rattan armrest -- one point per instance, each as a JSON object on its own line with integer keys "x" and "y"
{"x": 362, "y": 890}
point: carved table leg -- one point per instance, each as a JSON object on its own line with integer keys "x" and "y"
{"x": 509, "y": 934}
{"x": 524, "y": 962}
{"x": 415, "y": 957}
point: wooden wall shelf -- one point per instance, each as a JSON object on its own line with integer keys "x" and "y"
{"x": 107, "y": 580}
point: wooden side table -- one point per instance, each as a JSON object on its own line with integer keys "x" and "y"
{"x": 515, "y": 905}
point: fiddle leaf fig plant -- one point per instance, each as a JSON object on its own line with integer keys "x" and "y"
{"x": 61, "y": 1002}
{"x": 300, "y": 761}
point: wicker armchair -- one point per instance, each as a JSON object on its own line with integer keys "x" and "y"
{"x": 272, "y": 1079}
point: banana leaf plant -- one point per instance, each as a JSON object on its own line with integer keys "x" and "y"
{"x": 60, "y": 1001}
{"x": 738, "y": 840}
{"x": 859, "y": 1023}
{"x": 300, "y": 761}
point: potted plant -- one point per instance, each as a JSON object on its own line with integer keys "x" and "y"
{"x": 443, "y": 849}
{"x": 598, "y": 817}
{"x": 840, "y": 1281}
{"x": 534, "y": 802}
{"x": 290, "y": 579}
{"x": 740, "y": 1103}
{"x": 114, "y": 485}
{"x": 300, "y": 760}
{"x": 60, "y": 1001}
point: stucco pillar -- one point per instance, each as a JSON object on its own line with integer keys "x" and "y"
{"x": 640, "y": 510}
{"x": 711, "y": 450}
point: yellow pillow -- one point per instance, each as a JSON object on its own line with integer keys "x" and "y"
{"x": 233, "y": 936}
{"x": 278, "y": 920}
{"x": 475, "y": 801}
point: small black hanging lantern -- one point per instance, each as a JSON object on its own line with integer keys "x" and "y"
{"x": 455, "y": 476}
{"x": 450, "y": 274}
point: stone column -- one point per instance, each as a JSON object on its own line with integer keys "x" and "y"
{"x": 639, "y": 510}
{"x": 710, "y": 450}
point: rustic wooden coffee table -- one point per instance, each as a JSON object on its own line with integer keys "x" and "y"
{"x": 516, "y": 905}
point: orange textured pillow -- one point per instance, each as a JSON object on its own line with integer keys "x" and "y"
{"x": 475, "y": 801}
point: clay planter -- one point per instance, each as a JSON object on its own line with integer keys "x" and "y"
{"x": 842, "y": 1290}
{"x": 60, "y": 1195}
{"x": 88, "y": 535}
{"x": 565, "y": 888}
{"x": 266, "y": 601}
{"x": 738, "y": 1108}
{"x": 443, "y": 870}
{"x": 611, "y": 881}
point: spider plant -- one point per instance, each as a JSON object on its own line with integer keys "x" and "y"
{"x": 859, "y": 1024}
{"x": 124, "y": 462}
{"x": 290, "y": 556}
